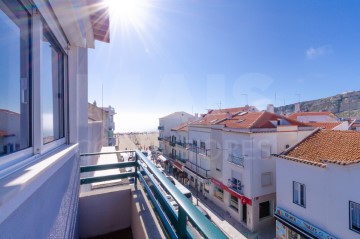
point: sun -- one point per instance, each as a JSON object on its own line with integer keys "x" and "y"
{"x": 128, "y": 11}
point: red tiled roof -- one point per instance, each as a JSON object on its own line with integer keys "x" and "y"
{"x": 324, "y": 125}
{"x": 9, "y": 111}
{"x": 231, "y": 110}
{"x": 182, "y": 127}
{"x": 325, "y": 113}
{"x": 327, "y": 146}
{"x": 255, "y": 120}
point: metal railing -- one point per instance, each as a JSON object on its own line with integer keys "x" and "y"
{"x": 236, "y": 159}
{"x": 196, "y": 168}
{"x": 160, "y": 138}
{"x": 160, "y": 127}
{"x": 197, "y": 150}
{"x": 151, "y": 178}
{"x": 172, "y": 144}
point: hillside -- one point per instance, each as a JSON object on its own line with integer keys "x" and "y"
{"x": 343, "y": 105}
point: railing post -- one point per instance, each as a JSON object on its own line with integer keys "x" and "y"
{"x": 136, "y": 169}
{"x": 181, "y": 226}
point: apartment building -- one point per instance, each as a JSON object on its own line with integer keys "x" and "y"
{"x": 168, "y": 122}
{"x": 198, "y": 165}
{"x": 317, "y": 182}
{"x": 243, "y": 181}
{"x": 44, "y": 124}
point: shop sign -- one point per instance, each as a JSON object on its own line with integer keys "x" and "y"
{"x": 307, "y": 227}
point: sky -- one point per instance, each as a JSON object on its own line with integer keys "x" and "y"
{"x": 192, "y": 55}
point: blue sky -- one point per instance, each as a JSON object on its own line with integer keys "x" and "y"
{"x": 190, "y": 55}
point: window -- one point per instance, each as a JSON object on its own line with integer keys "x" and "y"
{"x": 355, "y": 216}
{"x": 235, "y": 184}
{"x": 52, "y": 88}
{"x": 265, "y": 151}
{"x": 202, "y": 145}
{"x": 299, "y": 194}
{"x": 234, "y": 203}
{"x": 218, "y": 192}
{"x": 266, "y": 179}
{"x": 15, "y": 90}
{"x": 264, "y": 209}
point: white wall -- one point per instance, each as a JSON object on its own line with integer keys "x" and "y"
{"x": 328, "y": 192}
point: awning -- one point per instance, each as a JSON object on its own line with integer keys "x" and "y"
{"x": 178, "y": 166}
{"x": 242, "y": 198}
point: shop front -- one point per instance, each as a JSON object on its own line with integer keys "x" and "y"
{"x": 242, "y": 198}
{"x": 289, "y": 226}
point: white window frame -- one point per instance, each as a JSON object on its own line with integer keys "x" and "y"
{"x": 298, "y": 186}
{"x": 17, "y": 160}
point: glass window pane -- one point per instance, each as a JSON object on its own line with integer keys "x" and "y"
{"x": 52, "y": 89}
{"x": 355, "y": 216}
{"x": 15, "y": 77}
{"x": 296, "y": 192}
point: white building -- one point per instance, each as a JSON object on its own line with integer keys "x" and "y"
{"x": 198, "y": 165}
{"x": 242, "y": 168}
{"x": 45, "y": 83}
{"x": 168, "y": 122}
{"x": 307, "y": 117}
{"x": 111, "y": 124}
{"x": 317, "y": 185}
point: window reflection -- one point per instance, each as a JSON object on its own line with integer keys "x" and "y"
{"x": 52, "y": 88}
{"x": 14, "y": 78}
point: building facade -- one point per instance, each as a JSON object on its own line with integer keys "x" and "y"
{"x": 243, "y": 179}
{"x": 44, "y": 45}
{"x": 168, "y": 122}
{"x": 317, "y": 187}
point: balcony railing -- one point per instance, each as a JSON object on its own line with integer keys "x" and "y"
{"x": 172, "y": 144}
{"x": 195, "y": 149}
{"x": 160, "y": 138}
{"x": 198, "y": 169}
{"x": 236, "y": 159}
{"x": 182, "y": 144}
{"x": 180, "y": 159}
{"x": 175, "y": 222}
{"x": 160, "y": 127}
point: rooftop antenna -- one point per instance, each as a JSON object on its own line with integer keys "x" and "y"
{"x": 298, "y": 95}
{"x": 275, "y": 100}
{"x": 219, "y": 105}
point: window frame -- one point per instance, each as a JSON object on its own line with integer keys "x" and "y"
{"x": 300, "y": 184}
{"x": 350, "y": 217}
{"x": 46, "y": 147}
{"x": 12, "y": 162}
{"x": 9, "y": 161}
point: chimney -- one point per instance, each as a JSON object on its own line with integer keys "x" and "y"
{"x": 228, "y": 115}
{"x": 270, "y": 108}
{"x": 297, "y": 107}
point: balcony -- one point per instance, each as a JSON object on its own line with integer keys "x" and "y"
{"x": 161, "y": 127}
{"x": 238, "y": 160}
{"x": 183, "y": 160}
{"x": 160, "y": 138}
{"x": 172, "y": 144}
{"x": 149, "y": 184}
{"x": 181, "y": 144}
{"x": 198, "y": 169}
{"x": 197, "y": 150}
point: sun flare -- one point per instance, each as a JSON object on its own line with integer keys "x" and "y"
{"x": 128, "y": 11}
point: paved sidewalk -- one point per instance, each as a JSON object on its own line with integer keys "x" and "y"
{"x": 231, "y": 227}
